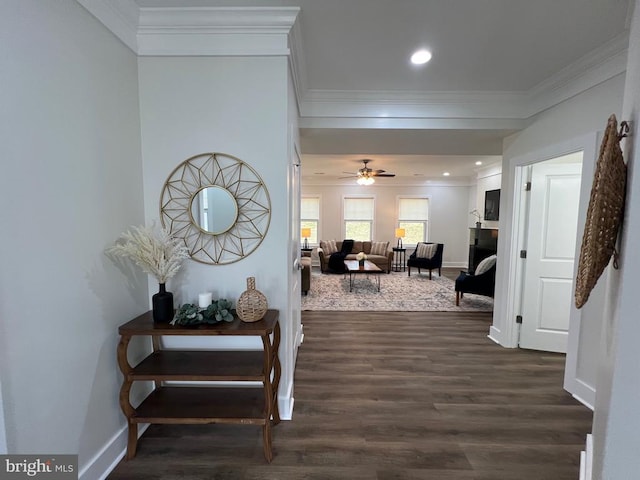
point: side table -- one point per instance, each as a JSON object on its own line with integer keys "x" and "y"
{"x": 195, "y": 404}
{"x": 399, "y": 259}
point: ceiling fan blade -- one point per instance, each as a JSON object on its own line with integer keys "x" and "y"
{"x": 385, "y": 175}
{"x": 350, "y": 176}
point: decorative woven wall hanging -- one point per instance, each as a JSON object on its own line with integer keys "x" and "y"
{"x": 605, "y": 212}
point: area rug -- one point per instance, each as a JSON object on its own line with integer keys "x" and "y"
{"x": 398, "y": 292}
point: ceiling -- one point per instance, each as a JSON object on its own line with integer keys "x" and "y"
{"x": 494, "y": 63}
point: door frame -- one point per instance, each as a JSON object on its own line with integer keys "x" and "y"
{"x": 514, "y": 268}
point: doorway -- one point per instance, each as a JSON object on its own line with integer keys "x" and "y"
{"x": 550, "y": 209}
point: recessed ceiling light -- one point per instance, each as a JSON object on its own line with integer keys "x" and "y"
{"x": 421, "y": 57}
{"x": 446, "y": 174}
{"x": 478, "y": 162}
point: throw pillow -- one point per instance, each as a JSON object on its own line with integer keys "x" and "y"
{"x": 485, "y": 265}
{"x": 379, "y": 248}
{"x": 426, "y": 250}
{"x": 329, "y": 247}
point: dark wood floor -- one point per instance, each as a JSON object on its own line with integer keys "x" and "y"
{"x": 394, "y": 396}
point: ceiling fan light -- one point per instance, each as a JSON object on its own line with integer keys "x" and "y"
{"x": 365, "y": 180}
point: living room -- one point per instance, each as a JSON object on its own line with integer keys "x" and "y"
{"x": 446, "y": 204}
{"x": 450, "y": 199}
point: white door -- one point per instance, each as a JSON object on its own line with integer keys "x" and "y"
{"x": 551, "y": 249}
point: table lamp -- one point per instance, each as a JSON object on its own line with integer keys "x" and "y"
{"x": 305, "y": 233}
{"x": 400, "y": 233}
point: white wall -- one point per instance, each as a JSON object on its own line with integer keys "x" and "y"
{"x": 448, "y": 208}
{"x": 561, "y": 125}
{"x": 71, "y": 183}
{"x": 489, "y": 178}
{"x": 616, "y": 430}
{"x": 233, "y": 105}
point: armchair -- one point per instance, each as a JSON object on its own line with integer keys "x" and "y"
{"x": 427, "y": 263}
{"x": 482, "y": 282}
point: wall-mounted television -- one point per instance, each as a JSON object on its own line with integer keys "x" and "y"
{"x": 492, "y": 205}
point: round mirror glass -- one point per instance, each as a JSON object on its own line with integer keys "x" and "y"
{"x": 214, "y": 209}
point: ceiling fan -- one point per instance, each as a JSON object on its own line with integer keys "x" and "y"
{"x": 365, "y": 174}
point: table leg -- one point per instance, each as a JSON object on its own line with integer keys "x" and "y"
{"x": 132, "y": 440}
{"x": 266, "y": 441}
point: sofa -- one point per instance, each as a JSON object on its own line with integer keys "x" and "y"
{"x": 383, "y": 261}
{"x": 305, "y": 274}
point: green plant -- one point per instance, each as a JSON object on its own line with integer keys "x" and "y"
{"x": 476, "y": 213}
{"x": 218, "y": 311}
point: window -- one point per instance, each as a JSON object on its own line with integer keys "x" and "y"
{"x": 358, "y": 218}
{"x": 310, "y": 217}
{"x": 413, "y": 215}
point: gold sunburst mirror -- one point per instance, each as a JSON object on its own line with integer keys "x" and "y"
{"x": 218, "y": 205}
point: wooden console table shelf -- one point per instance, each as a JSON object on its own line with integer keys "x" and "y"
{"x": 248, "y": 405}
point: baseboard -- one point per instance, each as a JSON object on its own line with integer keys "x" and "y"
{"x": 463, "y": 265}
{"x": 494, "y": 334}
{"x": 583, "y": 401}
{"x": 103, "y": 463}
{"x": 582, "y": 392}
{"x": 586, "y": 460}
{"x": 285, "y": 404}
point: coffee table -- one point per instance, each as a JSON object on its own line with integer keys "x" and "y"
{"x": 353, "y": 268}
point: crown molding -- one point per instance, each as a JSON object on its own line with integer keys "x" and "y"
{"x": 311, "y": 181}
{"x": 338, "y": 103}
{"x": 489, "y": 170}
{"x": 121, "y": 17}
{"x": 418, "y": 123}
{"x": 296, "y": 63}
{"x": 217, "y": 31}
{"x": 218, "y": 20}
{"x": 598, "y": 66}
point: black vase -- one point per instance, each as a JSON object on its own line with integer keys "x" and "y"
{"x": 162, "y": 306}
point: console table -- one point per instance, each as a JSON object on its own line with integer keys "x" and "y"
{"x": 254, "y": 405}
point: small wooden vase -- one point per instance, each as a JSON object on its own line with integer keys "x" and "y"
{"x": 252, "y": 304}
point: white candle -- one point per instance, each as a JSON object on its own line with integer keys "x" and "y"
{"x": 204, "y": 299}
